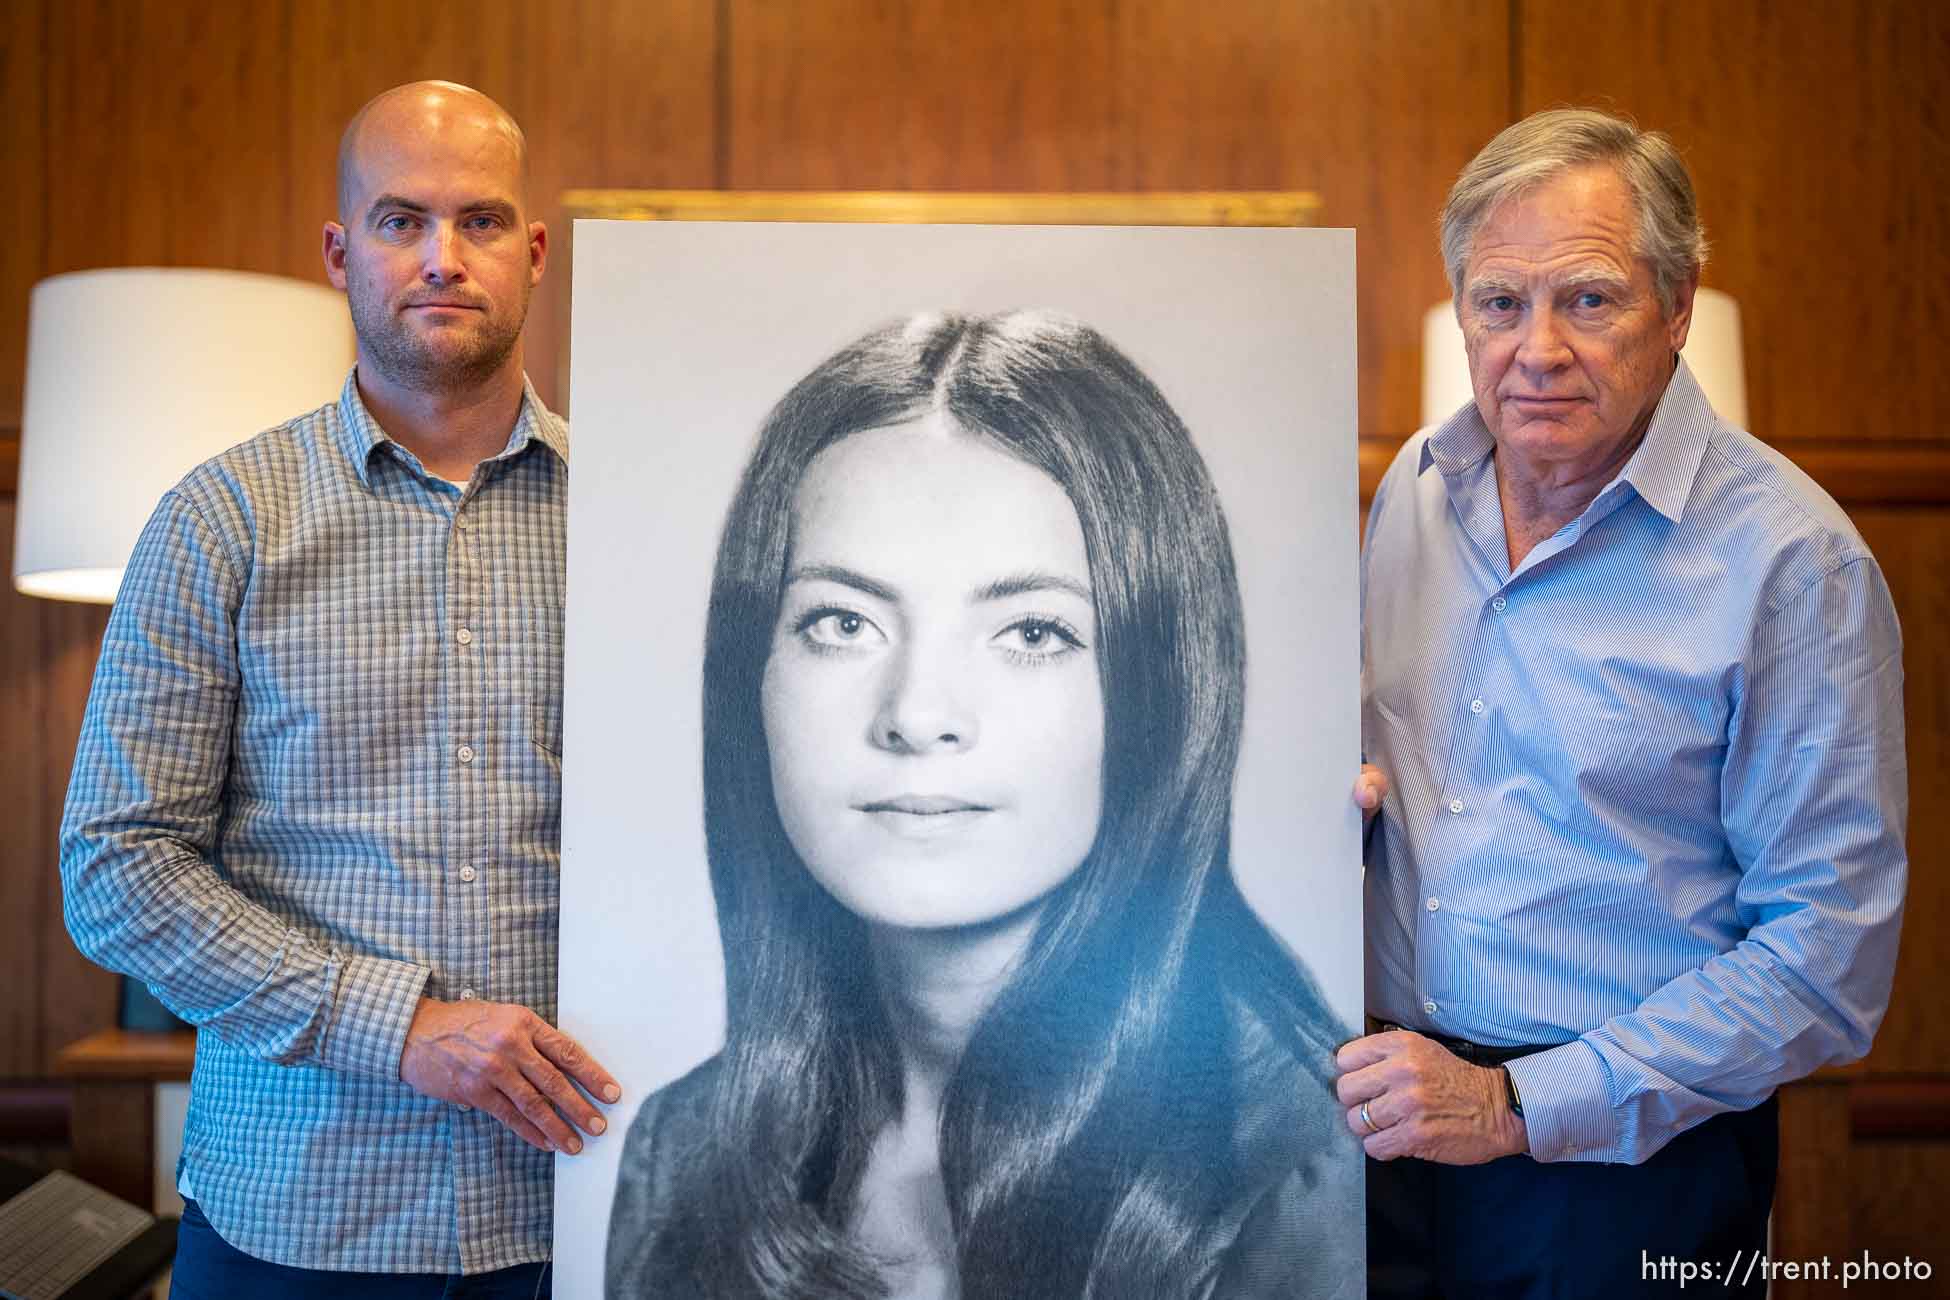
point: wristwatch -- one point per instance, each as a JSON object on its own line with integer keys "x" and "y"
{"x": 1510, "y": 1091}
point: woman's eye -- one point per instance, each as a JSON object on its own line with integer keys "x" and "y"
{"x": 837, "y": 628}
{"x": 1038, "y": 638}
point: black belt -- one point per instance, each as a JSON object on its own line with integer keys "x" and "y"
{"x": 1474, "y": 1053}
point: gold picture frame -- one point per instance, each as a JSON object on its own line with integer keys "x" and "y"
{"x": 1161, "y": 208}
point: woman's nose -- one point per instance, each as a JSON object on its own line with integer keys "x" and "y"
{"x": 925, "y": 703}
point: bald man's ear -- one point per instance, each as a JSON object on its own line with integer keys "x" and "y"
{"x": 335, "y": 254}
{"x": 537, "y": 251}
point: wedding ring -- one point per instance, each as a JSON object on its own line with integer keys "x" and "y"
{"x": 1369, "y": 1119}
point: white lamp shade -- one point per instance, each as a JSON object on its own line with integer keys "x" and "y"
{"x": 134, "y": 377}
{"x": 1712, "y": 350}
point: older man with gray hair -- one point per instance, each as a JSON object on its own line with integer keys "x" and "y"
{"x": 1637, "y": 684}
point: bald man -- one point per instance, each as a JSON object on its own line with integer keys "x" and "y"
{"x": 316, "y": 801}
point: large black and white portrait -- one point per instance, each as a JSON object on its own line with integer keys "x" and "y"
{"x": 959, "y": 868}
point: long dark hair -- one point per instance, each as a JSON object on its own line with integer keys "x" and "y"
{"x": 1088, "y": 1133}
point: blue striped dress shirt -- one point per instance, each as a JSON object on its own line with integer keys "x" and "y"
{"x": 1649, "y": 789}
{"x": 320, "y": 775}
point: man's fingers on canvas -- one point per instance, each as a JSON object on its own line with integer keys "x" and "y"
{"x": 576, "y": 1062}
{"x": 1370, "y": 787}
{"x": 1357, "y": 1086}
{"x": 555, "y": 1086}
{"x": 1364, "y": 1118}
{"x": 515, "y": 1122}
{"x": 537, "y": 1110}
{"x": 1363, "y": 1052}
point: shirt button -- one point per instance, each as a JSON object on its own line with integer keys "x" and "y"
{"x": 1498, "y": 604}
{"x": 468, "y": 873}
{"x": 1435, "y": 904}
{"x": 465, "y": 753}
{"x": 1429, "y": 1007}
{"x": 1475, "y": 706}
{"x": 1455, "y": 805}
{"x": 464, "y": 636}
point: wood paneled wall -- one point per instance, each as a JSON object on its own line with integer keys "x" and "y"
{"x": 49, "y": 995}
{"x": 178, "y": 133}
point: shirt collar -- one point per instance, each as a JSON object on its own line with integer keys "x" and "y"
{"x": 1458, "y": 442}
{"x": 360, "y": 434}
{"x": 1667, "y": 461}
{"x": 1661, "y": 470}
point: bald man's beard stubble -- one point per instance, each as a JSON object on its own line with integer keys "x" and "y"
{"x": 453, "y": 357}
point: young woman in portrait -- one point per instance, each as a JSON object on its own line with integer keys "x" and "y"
{"x": 999, "y": 1022}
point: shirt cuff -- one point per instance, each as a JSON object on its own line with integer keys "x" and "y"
{"x": 1566, "y": 1103}
{"x": 370, "y": 1016}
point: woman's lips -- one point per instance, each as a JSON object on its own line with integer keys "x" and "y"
{"x": 924, "y": 816}
{"x": 923, "y": 805}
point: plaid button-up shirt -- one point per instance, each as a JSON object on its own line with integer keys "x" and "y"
{"x": 319, "y": 776}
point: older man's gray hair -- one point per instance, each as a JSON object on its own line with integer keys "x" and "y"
{"x": 1545, "y": 145}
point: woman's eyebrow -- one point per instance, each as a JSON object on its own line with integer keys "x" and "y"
{"x": 1017, "y": 584}
{"x": 845, "y": 577}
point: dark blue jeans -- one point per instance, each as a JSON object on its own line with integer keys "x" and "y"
{"x": 210, "y": 1268}
{"x": 1516, "y": 1228}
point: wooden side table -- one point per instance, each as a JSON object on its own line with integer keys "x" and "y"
{"x": 115, "y": 1074}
